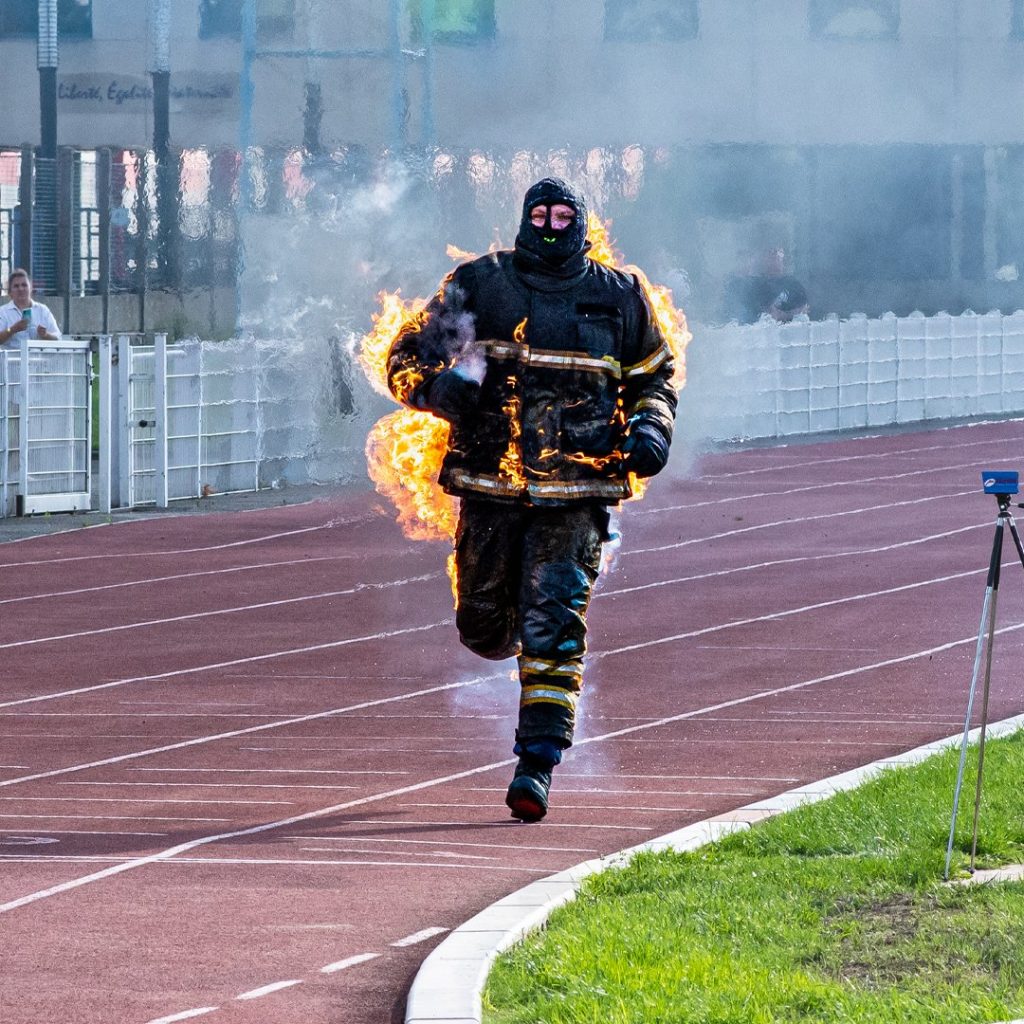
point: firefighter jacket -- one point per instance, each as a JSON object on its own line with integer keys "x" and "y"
{"x": 568, "y": 360}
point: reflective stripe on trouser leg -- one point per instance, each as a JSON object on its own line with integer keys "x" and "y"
{"x": 561, "y": 554}
{"x": 550, "y": 691}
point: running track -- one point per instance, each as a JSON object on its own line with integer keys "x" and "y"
{"x": 247, "y": 774}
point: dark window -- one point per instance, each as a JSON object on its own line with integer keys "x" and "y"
{"x": 855, "y": 19}
{"x": 452, "y": 21}
{"x": 1006, "y": 213}
{"x": 224, "y": 18}
{"x": 650, "y": 21}
{"x": 1017, "y": 25}
{"x": 21, "y": 18}
{"x": 884, "y": 213}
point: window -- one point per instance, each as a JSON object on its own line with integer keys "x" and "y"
{"x": 452, "y": 21}
{"x": 650, "y": 21}
{"x": 224, "y": 17}
{"x": 21, "y": 18}
{"x": 1017, "y": 25}
{"x": 885, "y": 213}
{"x": 855, "y": 19}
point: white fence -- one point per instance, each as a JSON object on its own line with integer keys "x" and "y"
{"x": 777, "y": 380}
{"x": 45, "y": 463}
{"x": 197, "y": 418}
{"x": 193, "y": 418}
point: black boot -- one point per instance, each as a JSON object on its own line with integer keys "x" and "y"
{"x": 527, "y": 795}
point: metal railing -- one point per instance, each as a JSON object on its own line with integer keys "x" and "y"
{"x": 6, "y": 244}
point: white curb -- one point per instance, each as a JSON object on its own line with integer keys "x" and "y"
{"x": 449, "y": 984}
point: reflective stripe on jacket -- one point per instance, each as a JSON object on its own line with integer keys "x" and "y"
{"x": 567, "y": 364}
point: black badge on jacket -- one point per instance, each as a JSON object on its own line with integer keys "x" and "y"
{"x": 553, "y": 246}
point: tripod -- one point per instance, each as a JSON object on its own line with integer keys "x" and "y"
{"x": 988, "y": 627}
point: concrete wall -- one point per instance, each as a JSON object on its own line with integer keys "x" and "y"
{"x": 754, "y": 74}
{"x": 209, "y": 314}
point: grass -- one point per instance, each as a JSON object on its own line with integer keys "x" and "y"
{"x": 832, "y": 913}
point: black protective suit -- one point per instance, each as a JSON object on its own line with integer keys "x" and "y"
{"x": 573, "y": 391}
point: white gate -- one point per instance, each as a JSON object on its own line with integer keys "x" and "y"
{"x": 46, "y": 427}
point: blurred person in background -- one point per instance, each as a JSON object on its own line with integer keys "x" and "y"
{"x": 765, "y": 290}
{"x": 22, "y": 316}
{"x": 556, "y": 380}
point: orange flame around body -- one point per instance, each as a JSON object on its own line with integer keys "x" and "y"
{"x": 404, "y": 450}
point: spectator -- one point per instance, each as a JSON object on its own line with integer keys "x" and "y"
{"x": 22, "y": 315}
{"x": 766, "y": 290}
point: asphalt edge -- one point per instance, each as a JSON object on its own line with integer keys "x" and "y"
{"x": 449, "y": 985}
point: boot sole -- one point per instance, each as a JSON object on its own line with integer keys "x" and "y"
{"x": 524, "y": 805}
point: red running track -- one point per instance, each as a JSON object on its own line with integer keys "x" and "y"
{"x": 247, "y": 774}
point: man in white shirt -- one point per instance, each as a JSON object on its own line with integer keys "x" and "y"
{"x": 22, "y": 315}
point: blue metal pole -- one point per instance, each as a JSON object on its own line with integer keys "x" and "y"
{"x": 397, "y": 98}
{"x": 245, "y": 100}
{"x": 428, "y": 73}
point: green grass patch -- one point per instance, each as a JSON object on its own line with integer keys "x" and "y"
{"x": 832, "y": 913}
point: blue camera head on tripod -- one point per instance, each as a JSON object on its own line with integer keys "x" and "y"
{"x": 1000, "y": 481}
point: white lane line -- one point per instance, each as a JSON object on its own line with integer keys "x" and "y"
{"x": 824, "y": 486}
{"x": 266, "y": 990}
{"x": 359, "y": 588}
{"x": 198, "y": 740}
{"x": 586, "y": 791}
{"x": 4, "y": 766}
{"x": 490, "y": 823}
{"x": 110, "y": 817}
{"x": 894, "y": 453}
{"x": 360, "y": 851}
{"x": 773, "y": 616}
{"x": 282, "y": 771}
{"x": 349, "y": 961}
{"x": 726, "y": 534}
{"x": 463, "y": 806}
{"x": 174, "y": 851}
{"x": 74, "y": 832}
{"x": 103, "y": 556}
{"x": 437, "y": 842}
{"x": 420, "y": 936}
{"x": 123, "y": 863}
{"x": 701, "y": 778}
{"x": 213, "y": 666}
{"x": 184, "y": 1015}
{"x": 178, "y": 576}
{"x": 144, "y": 800}
{"x": 213, "y": 785}
{"x": 774, "y": 562}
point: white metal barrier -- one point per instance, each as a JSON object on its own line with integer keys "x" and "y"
{"x": 189, "y": 422}
{"x": 46, "y": 427}
{"x": 192, "y": 418}
{"x": 778, "y": 380}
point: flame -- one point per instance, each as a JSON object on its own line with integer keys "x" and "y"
{"x": 395, "y": 314}
{"x": 403, "y": 455}
{"x": 669, "y": 317}
{"x": 511, "y": 464}
{"x": 460, "y": 255}
{"x": 404, "y": 450}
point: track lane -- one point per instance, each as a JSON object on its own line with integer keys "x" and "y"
{"x": 591, "y": 813}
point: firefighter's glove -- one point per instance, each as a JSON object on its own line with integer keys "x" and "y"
{"x": 646, "y": 450}
{"x": 452, "y": 396}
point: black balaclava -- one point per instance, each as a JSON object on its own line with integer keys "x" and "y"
{"x": 555, "y": 248}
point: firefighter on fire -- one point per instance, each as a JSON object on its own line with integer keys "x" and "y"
{"x": 556, "y": 381}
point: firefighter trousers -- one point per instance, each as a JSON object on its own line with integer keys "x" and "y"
{"x": 525, "y": 576}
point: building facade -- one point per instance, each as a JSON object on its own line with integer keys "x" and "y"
{"x": 879, "y": 143}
